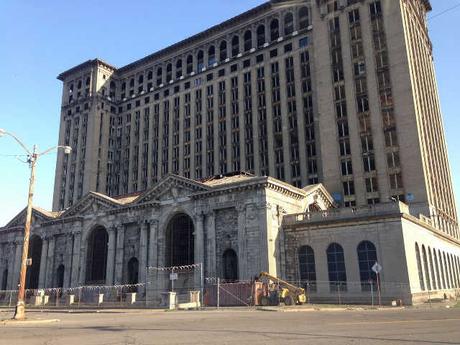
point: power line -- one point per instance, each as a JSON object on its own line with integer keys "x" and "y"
{"x": 445, "y": 11}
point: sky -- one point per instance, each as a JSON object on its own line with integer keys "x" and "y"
{"x": 41, "y": 38}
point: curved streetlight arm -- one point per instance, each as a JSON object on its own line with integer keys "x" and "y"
{"x": 3, "y": 132}
{"x": 67, "y": 150}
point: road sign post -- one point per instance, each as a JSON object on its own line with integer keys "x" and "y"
{"x": 377, "y": 268}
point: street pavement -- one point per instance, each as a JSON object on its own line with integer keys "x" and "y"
{"x": 235, "y": 326}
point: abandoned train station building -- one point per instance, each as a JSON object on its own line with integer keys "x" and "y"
{"x": 301, "y": 138}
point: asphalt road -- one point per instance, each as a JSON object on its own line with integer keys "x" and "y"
{"x": 409, "y": 326}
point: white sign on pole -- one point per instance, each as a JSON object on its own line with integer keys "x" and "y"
{"x": 377, "y": 268}
{"x": 173, "y": 276}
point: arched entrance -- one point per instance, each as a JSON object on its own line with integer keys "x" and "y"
{"x": 230, "y": 265}
{"x": 5, "y": 279}
{"x": 179, "y": 241}
{"x": 60, "y": 276}
{"x": 133, "y": 271}
{"x": 35, "y": 253}
{"x": 96, "y": 259}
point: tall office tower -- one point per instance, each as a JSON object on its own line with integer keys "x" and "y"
{"x": 338, "y": 92}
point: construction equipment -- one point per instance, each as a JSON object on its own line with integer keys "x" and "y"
{"x": 270, "y": 290}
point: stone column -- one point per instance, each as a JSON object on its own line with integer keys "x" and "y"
{"x": 68, "y": 261}
{"x": 153, "y": 239}
{"x": 75, "y": 259}
{"x": 143, "y": 252}
{"x": 17, "y": 264}
{"x": 110, "y": 257}
{"x": 83, "y": 256}
{"x": 210, "y": 268}
{"x": 49, "y": 280}
{"x": 242, "y": 245}
{"x": 199, "y": 247}
{"x": 119, "y": 257}
{"x": 42, "y": 275}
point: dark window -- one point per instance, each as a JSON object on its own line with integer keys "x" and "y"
{"x": 307, "y": 268}
{"x": 367, "y": 257}
{"x": 233, "y": 68}
{"x": 247, "y": 63}
{"x": 96, "y": 262}
{"x": 211, "y": 56}
{"x": 260, "y": 58}
{"x": 235, "y": 46}
{"x": 180, "y": 250}
{"x": 288, "y": 48}
{"x": 288, "y": 24}
{"x": 133, "y": 271}
{"x": 260, "y": 36}
{"x": 303, "y": 18}
{"x": 336, "y": 267}
{"x": 189, "y": 64}
{"x": 273, "y": 53}
{"x": 247, "y": 40}
{"x": 274, "y": 30}
{"x": 230, "y": 265}
{"x": 223, "y": 51}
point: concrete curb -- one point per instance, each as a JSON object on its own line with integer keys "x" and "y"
{"x": 12, "y": 322}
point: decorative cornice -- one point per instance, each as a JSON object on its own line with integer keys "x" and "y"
{"x": 83, "y": 66}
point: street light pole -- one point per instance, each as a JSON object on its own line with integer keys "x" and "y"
{"x": 19, "y": 313}
{"x": 32, "y": 158}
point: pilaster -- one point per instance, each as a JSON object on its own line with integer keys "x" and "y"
{"x": 110, "y": 258}
{"x": 76, "y": 259}
{"x": 144, "y": 227}
{"x": 50, "y": 262}
{"x": 43, "y": 259}
{"x": 119, "y": 257}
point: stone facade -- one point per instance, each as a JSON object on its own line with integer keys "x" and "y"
{"x": 263, "y": 221}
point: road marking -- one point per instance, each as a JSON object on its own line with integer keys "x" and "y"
{"x": 390, "y": 322}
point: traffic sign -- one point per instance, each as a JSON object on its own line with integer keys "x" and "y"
{"x": 377, "y": 268}
{"x": 173, "y": 276}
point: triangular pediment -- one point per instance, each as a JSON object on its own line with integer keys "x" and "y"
{"x": 38, "y": 216}
{"x": 319, "y": 197}
{"x": 172, "y": 187}
{"x": 92, "y": 203}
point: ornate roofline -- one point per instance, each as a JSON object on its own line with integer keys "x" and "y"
{"x": 90, "y": 63}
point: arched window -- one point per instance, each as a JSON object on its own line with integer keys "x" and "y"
{"x": 200, "y": 61}
{"x": 367, "y": 257}
{"x": 274, "y": 30}
{"x": 88, "y": 80}
{"x": 5, "y": 279}
{"x": 426, "y": 270}
{"x": 247, "y": 40}
{"x": 436, "y": 266}
{"x": 451, "y": 276}
{"x": 446, "y": 268}
{"x": 307, "y": 268}
{"x": 133, "y": 271}
{"x": 159, "y": 76}
{"x": 419, "y": 268}
{"x": 178, "y": 68}
{"x": 131, "y": 82}
{"x": 230, "y": 265}
{"x": 140, "y": 80}
{"x": 235, "y": 46}
{"x": 168, "y": 72}
{"x": 189, "y": 64}
{"x": 304, "y": 21}
{"x": 336, "y": 267}
{"x": 79, "y": 84}
{"x": 180, "y": 249}
{"x": 123, "y": 86}
{"x": 96, "y": 259}
{"x": 441, "y": 267}
{"x": 211, "y": 56}
{"x": 60, "y": 276}
{"x": 223, "y": 51}
{"x": 150, "y": 75}
{"x": 433, "y": 277}
{"x": 260, "y": 36}
{"x": 35, "y": 253}
{"x": 288, "y": 24}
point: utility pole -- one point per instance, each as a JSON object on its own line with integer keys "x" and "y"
{"x": 32, "y": 157}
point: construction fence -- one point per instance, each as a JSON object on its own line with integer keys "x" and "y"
{"x": 185, "y": 287}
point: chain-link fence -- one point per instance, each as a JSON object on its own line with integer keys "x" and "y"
{"x": 184, "y": 287}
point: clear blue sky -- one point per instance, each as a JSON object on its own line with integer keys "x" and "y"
{"x": 40, "y": 39}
